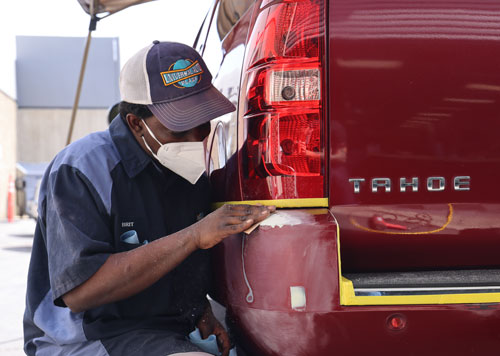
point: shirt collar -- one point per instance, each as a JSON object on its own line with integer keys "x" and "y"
{"x": 133, "y": 157}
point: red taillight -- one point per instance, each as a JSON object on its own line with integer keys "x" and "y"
{"x": 286, "y": 145}
{"x": 283, "y": 124}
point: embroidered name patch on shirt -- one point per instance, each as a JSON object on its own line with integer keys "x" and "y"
{"x": 183, "y": 74}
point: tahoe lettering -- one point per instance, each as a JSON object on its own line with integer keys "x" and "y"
{"x": 404, "y": 184}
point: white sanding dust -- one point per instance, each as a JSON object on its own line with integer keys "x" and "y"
{"x": 280, "y": 219}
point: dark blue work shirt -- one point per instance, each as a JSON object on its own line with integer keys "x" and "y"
{"x": 96, "y": 192}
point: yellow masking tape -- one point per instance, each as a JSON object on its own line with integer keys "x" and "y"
{"x": 281, "y": 203}
{"x": 347, "y": 297}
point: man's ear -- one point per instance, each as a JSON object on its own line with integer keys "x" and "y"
{"x": 134, "y": 123}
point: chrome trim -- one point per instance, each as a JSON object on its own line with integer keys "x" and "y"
{"x": 430, "y": 184}
{"x": 461, "y": 183}
{"x": 356, "y": 182}
{"x": 381, "y": 182}
{"x": 403, "y": 184}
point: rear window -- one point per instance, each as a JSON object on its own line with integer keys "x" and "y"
{"x": 230, "y": 11}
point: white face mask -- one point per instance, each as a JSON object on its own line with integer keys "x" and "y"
{"x": 187, "y": 159}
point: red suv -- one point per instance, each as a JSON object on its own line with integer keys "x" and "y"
{"x": 374, "y": 127}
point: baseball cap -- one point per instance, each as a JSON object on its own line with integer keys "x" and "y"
{"x": 174, "y": 82}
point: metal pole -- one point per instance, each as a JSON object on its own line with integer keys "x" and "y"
{"x": 92, "y": 26}
{"x": 79, "y": 89}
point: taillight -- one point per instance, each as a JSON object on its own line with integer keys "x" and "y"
{"x": 283, "y": 128}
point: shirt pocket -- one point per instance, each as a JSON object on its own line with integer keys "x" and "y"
{"x": 131, "y": 233}
{"x": 130, "y": 240}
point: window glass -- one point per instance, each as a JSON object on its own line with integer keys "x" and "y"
{"x": 212, "y": 53}
{"x": 228, "y": 14}
{"x": 201, "y": 38}
{"x": 225, "y": 66}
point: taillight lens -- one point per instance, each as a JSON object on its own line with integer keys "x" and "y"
{"x": 285, "y": 144}
{"x": 287, "y": 86}
{"x": 283, "y": 122}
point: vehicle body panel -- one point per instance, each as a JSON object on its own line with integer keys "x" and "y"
{"x": 283, "y": 252}
{"x": 415, "y": 93}
{"x": 432, "y": 331}
{"x": 457, "y": 235}
{"x": 411, "y": 91}
{"x": 274, "y": 258}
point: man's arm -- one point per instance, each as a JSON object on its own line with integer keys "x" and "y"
{"x": 127, "y": 273}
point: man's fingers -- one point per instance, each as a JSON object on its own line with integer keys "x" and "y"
{"x": 236, "y": 207}
{"x": 271, "y": 208}
{"x": 240, "y": 209}
{"x": 236, "y": 228}
{"x": 223, "y": 342}
{"x": 261, "y": 214}
{"x": 245, "y": 212}
{"x": 238, "y": 218}
{"x": 248, "y": 210}
{"x": 245, "y": 208}
{"x": 235, "y": 220}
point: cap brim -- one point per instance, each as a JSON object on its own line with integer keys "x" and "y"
{"x": 187, "y": 113}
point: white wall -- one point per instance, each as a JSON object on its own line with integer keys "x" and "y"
{"x": 8, "y": 64}
{"x": 8, "y": 109}
{"x": 42, "y": 133}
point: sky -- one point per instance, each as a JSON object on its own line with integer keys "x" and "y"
{"x": 136, "y": 27}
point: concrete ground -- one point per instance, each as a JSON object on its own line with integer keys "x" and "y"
{"x": 15, "y": 248}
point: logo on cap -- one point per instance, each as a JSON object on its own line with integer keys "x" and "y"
{"x": 183, "y": 74}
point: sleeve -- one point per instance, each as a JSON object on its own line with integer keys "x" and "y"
{"x": 78, "y": 234}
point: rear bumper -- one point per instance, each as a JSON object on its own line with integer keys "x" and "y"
{"x": 442, "y": 330}
{"x": 284, "y": 296}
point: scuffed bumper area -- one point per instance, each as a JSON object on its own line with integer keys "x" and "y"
{"x": 293, "y": 254}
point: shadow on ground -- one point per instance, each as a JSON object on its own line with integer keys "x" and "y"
{"x": 18, "y": 249}
{"x": 22, "y": 235}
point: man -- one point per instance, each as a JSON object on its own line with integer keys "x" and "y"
{"x": 120, "y": 262}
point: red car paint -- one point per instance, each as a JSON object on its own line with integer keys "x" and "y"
{"x": 409, "y": 90}
{"x": 415, "y": 93}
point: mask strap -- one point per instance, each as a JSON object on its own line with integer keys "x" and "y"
{"x": 149, "y": 148}
{"x": 145, "y": 142}
{"x": 151, "y": 133}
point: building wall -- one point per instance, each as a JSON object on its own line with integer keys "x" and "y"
{"x": 8, "y": 108}
{"x": 42, "y": 133}
{"x": 61, "y": 58}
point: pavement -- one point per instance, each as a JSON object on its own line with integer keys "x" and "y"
{"x": 15, "y": 248}
{"x": 16, "y": 239}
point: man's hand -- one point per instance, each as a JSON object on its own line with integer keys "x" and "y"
{"x": 228, "y": 220}
{"x": 208, "y": 325}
